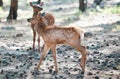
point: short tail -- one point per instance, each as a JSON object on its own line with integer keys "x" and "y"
{"x": 82, "y": 35}
{"x": 80, "y": 32}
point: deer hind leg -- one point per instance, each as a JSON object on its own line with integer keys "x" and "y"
{"x": 38, "y": 43}
{"x": 53, "y": 48}
{"x": 45, "y": 51}
{"x": 82, "y": 49}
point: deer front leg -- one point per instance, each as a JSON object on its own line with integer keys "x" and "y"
{"x": 38, "y": 43}
{"x": 54, "y": 57}
{"x": 34, "y": 36}
{"x": 45, "y": 51}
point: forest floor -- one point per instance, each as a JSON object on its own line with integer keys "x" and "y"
{"x": 102, "y": 38}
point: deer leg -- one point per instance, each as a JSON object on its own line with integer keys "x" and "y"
{"x": 42, "y": 47}
{"x": 45, "y": 51}
{"x": 38, "y": 43}
{"x": 54, "y": 57}
{"x": 82, "y": 49}
{"x": 34, "y": 36}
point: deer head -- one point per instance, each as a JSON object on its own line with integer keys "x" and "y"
{"x": 36, "y": 7}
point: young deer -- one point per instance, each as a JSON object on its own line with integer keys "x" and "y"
{"x": 58, "y": 35}
{"x": 49, "y": 19}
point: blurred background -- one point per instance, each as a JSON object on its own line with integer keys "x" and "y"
{"x": 68, "y": 7}
{"x": 100, "y": 19}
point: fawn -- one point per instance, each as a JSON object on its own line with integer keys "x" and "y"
{"x": 58, "y": 35}
{"x": 48, "y": 18}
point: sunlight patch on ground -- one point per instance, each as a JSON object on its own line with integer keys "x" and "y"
{"x": 117, "y": 28}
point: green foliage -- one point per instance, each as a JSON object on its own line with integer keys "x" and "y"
{"x": 73, "y": 17}
{"x": 1, "y": 12}
{"x": 118, "y": 67}
{"x": 110, "y": 10}
{"x": 114, "y": 9}
{"x": 78, "y": 13}
{"x": 116, "y": 28}
{"x": 66, "y": 1}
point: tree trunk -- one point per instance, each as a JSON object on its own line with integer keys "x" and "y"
{"x": 39, "y": 1}
{"x": 1, "y": 3}
{"x": 82, "y": 5}
{"x": 13, "y": 10}
{"x": 97, "y": 2}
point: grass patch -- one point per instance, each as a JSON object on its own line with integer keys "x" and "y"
{"x": 109, "y": 10}
{"x": 118, "y": 67}
{"x": 73, "y": 17}
{"x": 113, "y": 9}
{"x": 116, "y": 28}
{"x": 78, "y": 13}
{"x": 1, "y": 12}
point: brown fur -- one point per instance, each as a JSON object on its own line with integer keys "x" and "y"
{"x": 57, "y": 35}
{"x": 48, "y": 18}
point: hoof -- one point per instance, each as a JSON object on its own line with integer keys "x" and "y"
{"x": 36, "y": 68}
{"x": 39, "y": 50}
{"x": 83, "y": 67}
{"x": 55, "y": 72}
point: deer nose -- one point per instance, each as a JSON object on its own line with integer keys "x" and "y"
{"x": 29, "y": 19}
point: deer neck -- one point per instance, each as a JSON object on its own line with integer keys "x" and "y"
{"x": 35, "y": 13}
{"x": 40, "y": 28}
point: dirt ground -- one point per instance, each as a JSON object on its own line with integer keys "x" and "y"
{"x": 102, "y": 39}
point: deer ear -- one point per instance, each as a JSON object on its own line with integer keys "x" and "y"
{"x": 31, "y": 4}
{"x": 40, "y": 8}
{"x": 42, "y": 3}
